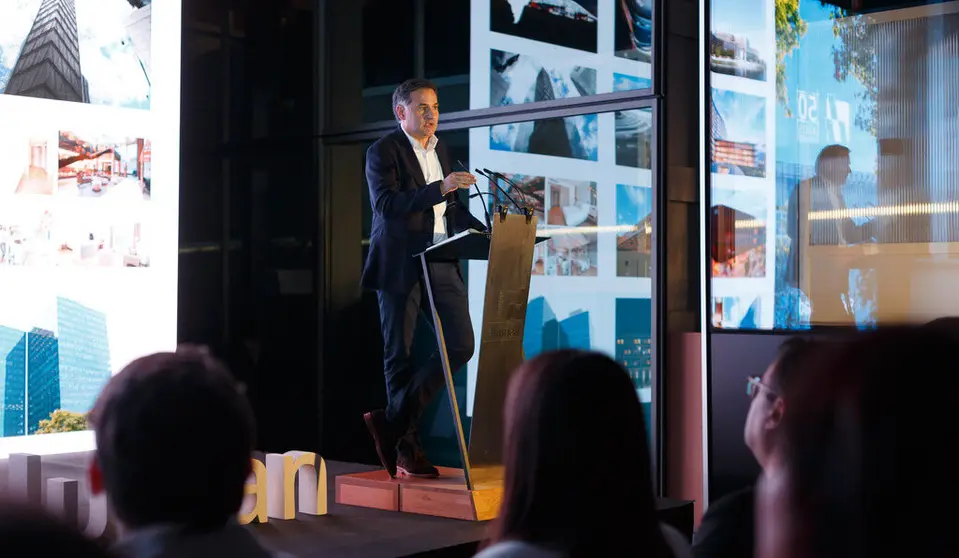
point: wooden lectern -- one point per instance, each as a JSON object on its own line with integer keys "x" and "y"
{"x": 473, "y": 492}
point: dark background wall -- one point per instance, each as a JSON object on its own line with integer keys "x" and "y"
{"x": 280, "y": 99}
{"x": 247, "y": 204}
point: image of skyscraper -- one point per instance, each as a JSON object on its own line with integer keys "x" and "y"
{"x": 634, "y": 339}
{"x": 43, "y": 377}
{"x": 13, "y": 381}
{"x": 634, "y": 206}
{"x": 86, "y": 51}
{"x": 42, "y": 371}
{"x": 84, "y": 354}
{"x": 49, "y": 63}
{"x": 545, "y": 332}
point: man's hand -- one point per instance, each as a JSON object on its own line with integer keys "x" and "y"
{"x": 457, "y": 180}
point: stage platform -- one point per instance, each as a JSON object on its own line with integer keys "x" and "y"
{"x": 350, "y": 531}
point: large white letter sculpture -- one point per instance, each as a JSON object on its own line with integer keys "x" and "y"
{"x": 62, "y": 495}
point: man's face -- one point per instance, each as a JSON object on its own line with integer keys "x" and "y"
{"x": 421, "y": 115}
{"x": 837, "y": 169}
{"x": 764, "y": 417}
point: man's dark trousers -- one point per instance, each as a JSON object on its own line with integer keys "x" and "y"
{"x": 410, "y": 386}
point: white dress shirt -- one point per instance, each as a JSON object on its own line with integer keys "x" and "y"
{"x": 432, "y": 171}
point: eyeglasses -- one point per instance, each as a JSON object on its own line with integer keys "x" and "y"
{"x": 753, "y": 385}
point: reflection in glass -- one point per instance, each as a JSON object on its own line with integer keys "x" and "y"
{"x": 738, "y": 142}
{"x": 738, "y": 45}
{"x": 863, "y": 173}
{"x": 737, "y": 225}
{"x": 634, "y": 225}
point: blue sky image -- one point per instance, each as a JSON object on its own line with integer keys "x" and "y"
{"x": 810, "y": 68}
{"x": 744, "y": 18}
{"x": 633, "y": 203}
{"x": 623, "y": 82}
{"x": 749, "y": 201}
{"x": 744, "y": 116}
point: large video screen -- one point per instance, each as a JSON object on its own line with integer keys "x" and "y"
{"x": 89, "y": 178}
{"x": 833, "y": 166}
{"x": 524, "y": 51}
{"x": 588, "y": 177}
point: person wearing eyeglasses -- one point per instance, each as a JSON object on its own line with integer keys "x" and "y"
{"x": 726, "y": 529}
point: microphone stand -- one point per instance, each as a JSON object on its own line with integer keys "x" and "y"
{"x": 489, "y": 223}
{"x": 489, "y": 175}
{"x": 527, "y": 210}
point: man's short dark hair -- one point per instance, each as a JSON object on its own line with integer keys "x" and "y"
{"x": 403, "y": 93}
{"x": 168, "y": 408}
{"x": 830, "y": 153}
{"x": 794, "y": 355}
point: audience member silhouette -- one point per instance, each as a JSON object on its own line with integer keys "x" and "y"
{"x": 578, "y": 478}
{"x": 169, "y": 408}
{"x": 868, "y": 445}
{"x": 726, "y": 530}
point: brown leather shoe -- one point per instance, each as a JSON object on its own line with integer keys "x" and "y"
{"x": 413, "y": 463}
{"x": 382, "y": 439}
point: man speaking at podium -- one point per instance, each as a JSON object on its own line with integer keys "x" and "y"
{"x": 413, "y": 194}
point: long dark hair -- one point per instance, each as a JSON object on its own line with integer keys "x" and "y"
{"x": 868, "y": 443}
{"x": 577, "y": 463}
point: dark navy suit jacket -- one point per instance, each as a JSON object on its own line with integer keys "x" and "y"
{"x": 403, "y": 216}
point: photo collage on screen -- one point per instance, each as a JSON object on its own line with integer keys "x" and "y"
{"x": 788, "y": 89}
{"x": 742, "y": 63}
{"x": 77, "y": 224}
{"x": 588, "y": 177}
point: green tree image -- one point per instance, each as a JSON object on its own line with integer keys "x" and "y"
{"x": 63, "y": 421}
{"x": 854, "y": 56}
{"x": 790, "y": 28}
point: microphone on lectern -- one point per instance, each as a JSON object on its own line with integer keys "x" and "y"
{"x": 491, "y": 176}
{"x": 489, "y": 224}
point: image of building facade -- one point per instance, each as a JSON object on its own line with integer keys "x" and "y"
{"x": 634, "y": 250}
{"x": 13, "y": 381}
{"x": 49, "y": 63}
{"x": 545, "y": 332}
{"x": 84, "y": 354}
{"x": 43, "y": 376}
{"x": 634, "y": 349}
{"x": 44, "y": 371}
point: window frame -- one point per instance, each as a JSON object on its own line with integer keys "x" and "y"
{"x": 651, "y": 98}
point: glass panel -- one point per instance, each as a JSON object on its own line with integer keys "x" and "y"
{"x": 835, "y": 163}
{"x": 589, "y": 179}
{"x": 483, "y": 53}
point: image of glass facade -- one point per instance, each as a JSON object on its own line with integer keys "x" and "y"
{"x": 545, "y": 332}
{"x": 13, "y": 388}
{"x": 84, "y": 354}
{"x": 44, "y": 371}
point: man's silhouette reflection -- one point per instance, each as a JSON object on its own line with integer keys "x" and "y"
{"x": 817, "y": 215}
